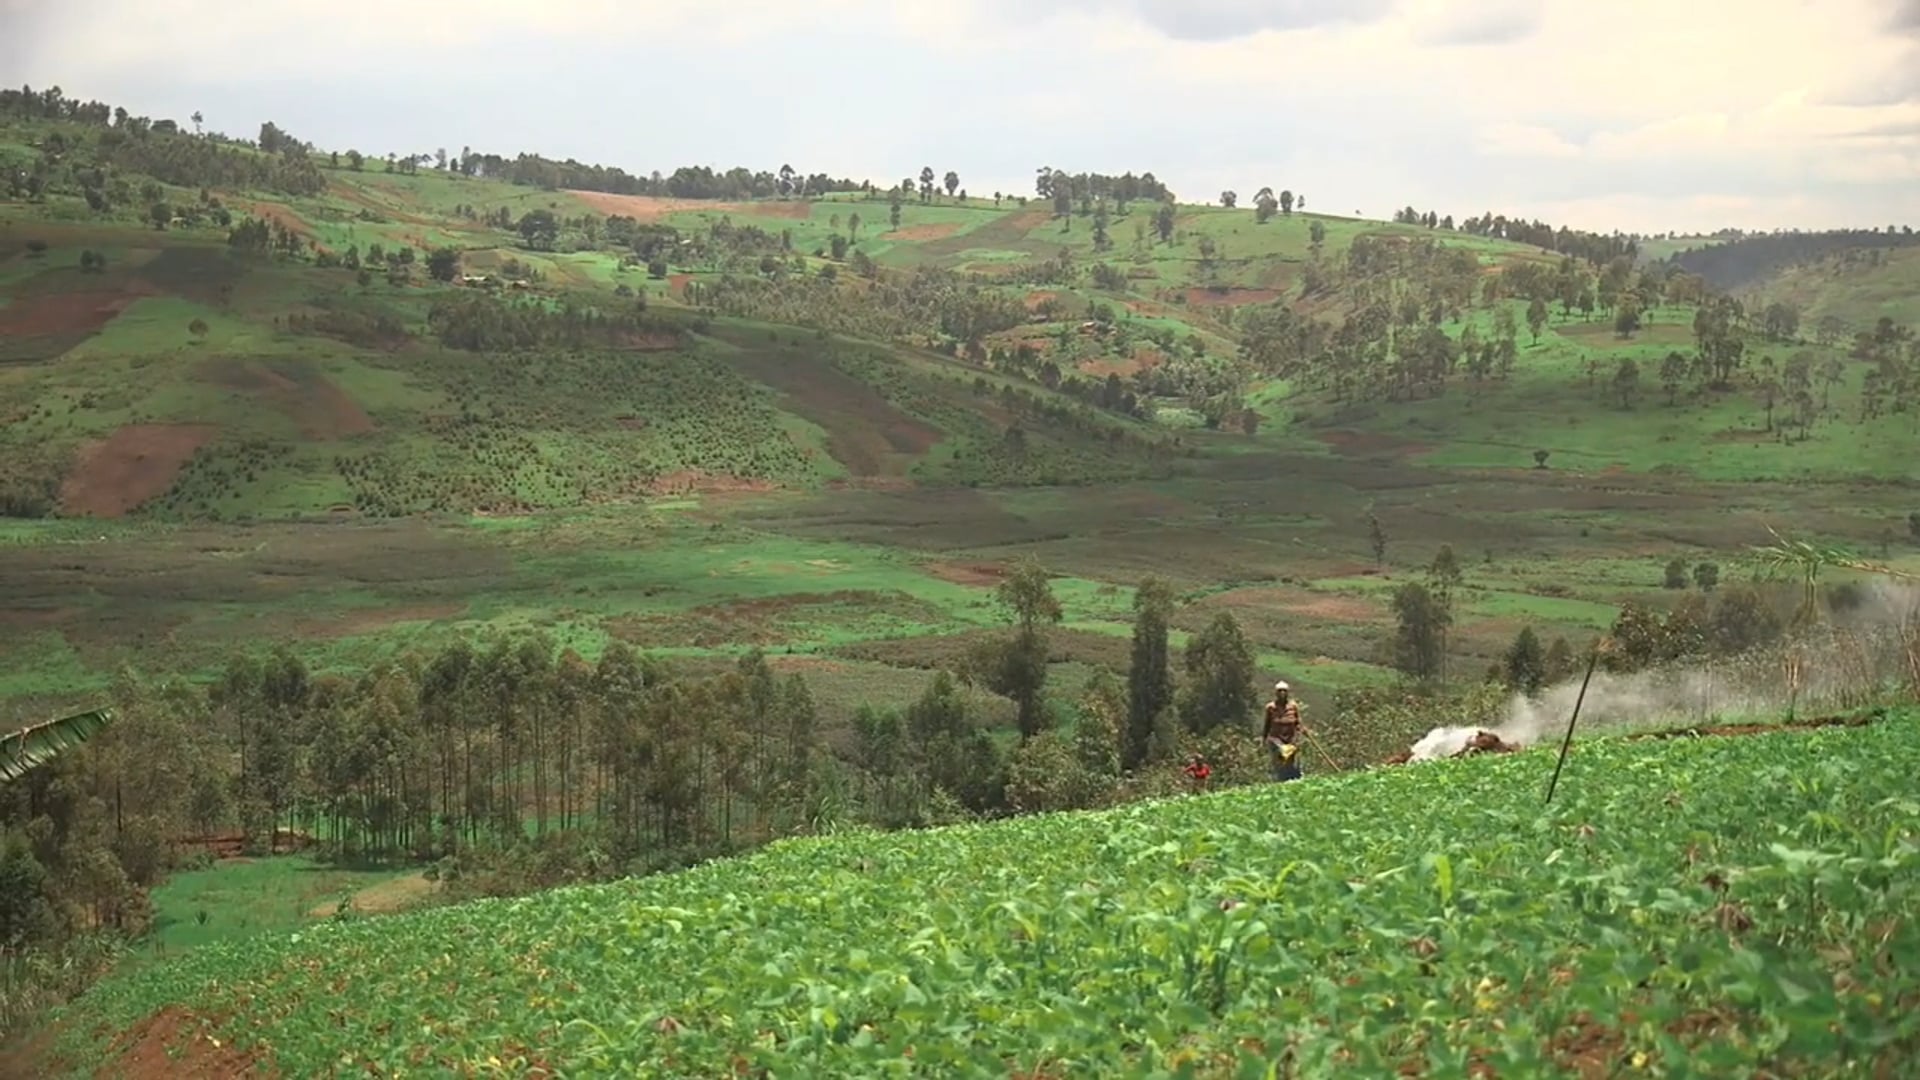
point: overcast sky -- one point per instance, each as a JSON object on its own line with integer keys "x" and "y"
{"x": 1644, "y": 115}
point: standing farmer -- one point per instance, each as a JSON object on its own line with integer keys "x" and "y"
{"x": 1282, "y": 733}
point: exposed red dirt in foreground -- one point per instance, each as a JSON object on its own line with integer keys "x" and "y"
{"x": 134, "y": 464}
{"x": 177, "y": 1044}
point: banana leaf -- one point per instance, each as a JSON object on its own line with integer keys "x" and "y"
{"x": 41, "y": 743}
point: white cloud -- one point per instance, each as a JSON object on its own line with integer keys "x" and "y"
{"x": 1524, "y": 141}
{"x": 1648, "y": 109}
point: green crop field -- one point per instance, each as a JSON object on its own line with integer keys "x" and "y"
{"x": 1656, "y": 917}
{"x": 504, "y": 523}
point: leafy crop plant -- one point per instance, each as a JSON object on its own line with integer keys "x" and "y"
{"x": 1707, "y": 906}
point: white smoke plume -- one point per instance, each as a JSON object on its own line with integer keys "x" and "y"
{"x": 1844, "y": 664}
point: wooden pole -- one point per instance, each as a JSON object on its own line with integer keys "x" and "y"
{"x": 1567, "y": 742}
{"x": 1331, "y": 766}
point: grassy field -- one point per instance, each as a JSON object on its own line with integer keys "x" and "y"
{"x": 1452, "y": 934}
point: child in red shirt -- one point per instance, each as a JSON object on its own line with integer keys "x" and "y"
{"x": 1198, "y": 771}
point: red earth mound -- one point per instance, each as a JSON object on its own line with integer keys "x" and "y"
{"x": 134, "y": 464}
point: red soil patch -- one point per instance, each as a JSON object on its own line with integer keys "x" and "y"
{"x": 82, "y": 311}
{"x": 677, "y": 285}
{"x": 177, "y": 1044}
{"x": 322, "y": 410}
{"x": 286, "y": 218}
{"x": 1035, "y": 299}
{"x": 978, "y": 575}
{"x": 694, "y": 481}
{"x": 651, "y": 208}
{"x": 1370, "y": 444}
{"x": 134, "y": 464}
{"x": 43, "y": 323}
{"x": 1231, "y": 297}
{"x": 937, "y": 231}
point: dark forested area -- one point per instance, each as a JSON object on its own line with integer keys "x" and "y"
{"x": 1749, "y": 260}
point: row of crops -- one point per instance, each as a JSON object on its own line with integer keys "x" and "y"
{"x": 1685, "y": 907}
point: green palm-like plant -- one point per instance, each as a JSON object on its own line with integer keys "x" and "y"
{"x": 41, "y": 743}
{"x": 1806, "y": 560}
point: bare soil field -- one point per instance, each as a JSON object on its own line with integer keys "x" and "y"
{"x": 654, "y": 208}
{"x": 918, "y": 233}
{"x": 865, "y": 432}
{"x": 136, "y": 463}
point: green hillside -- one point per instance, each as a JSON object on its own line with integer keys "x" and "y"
{"x": 1658, "y": 918}
{"x": 460, "y": 528}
